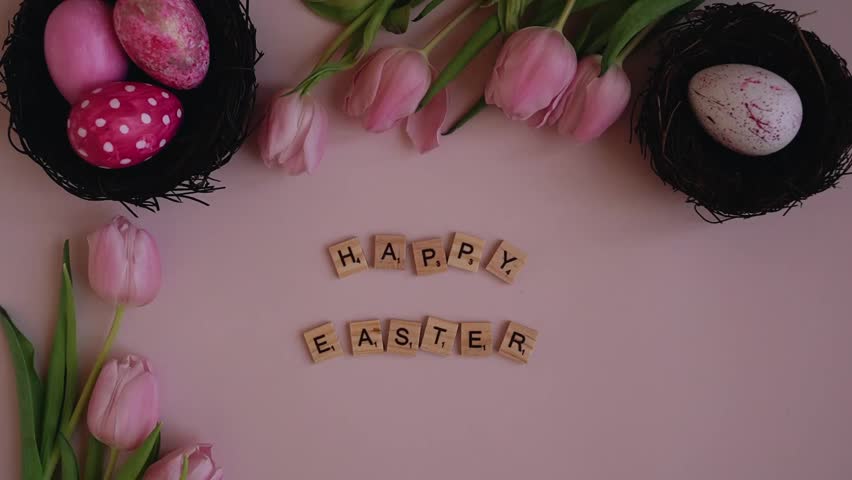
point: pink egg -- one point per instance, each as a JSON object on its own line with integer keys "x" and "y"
{"x": 123, "y": 124}
{"x": 81, "y": 49}
{"x": 165, "y": 38}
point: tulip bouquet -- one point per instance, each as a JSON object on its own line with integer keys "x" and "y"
{"x": 119, "y": 397}
{"x": 537, "y": 77}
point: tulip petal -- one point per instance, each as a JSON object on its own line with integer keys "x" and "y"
{"x": 107, "y": 263}
{"x": 279, "y": 128}
{"x": 100, "y": 401}
{"x": 606, "y": 99}
{"x": 424, "y": 126}
{"x": 570, "y": 111}
{"x": 147, "y": 278}
{"x": 405, "y": 80}
{"x": 365, "y": 83}
{"x": 316, "y": 139}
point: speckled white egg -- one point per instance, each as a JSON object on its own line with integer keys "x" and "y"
{"x": 748, "y": 109}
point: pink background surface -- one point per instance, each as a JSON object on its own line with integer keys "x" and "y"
{"x": 668, "y": 348}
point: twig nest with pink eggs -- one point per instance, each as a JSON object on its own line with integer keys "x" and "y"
{"x": 81, "y": 49}
{"x": 748, "y": 109}
{"x": 123, "y": 124}
{"x": 166, "y": 38}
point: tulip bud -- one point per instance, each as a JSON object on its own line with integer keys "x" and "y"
{"x": 201, "y": 465}
{"x": 534, "y": 67}
{"x": 124, "y": 263}
{"x": 592, "y": 103}
{"x": 125, "y": 404}
{"x": 294, "y": 133}
{"x": 388, "y": 88}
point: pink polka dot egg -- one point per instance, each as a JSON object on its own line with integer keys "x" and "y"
{"x": 123, "y": 124}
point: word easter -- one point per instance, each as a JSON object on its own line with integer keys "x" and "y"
{"x": 405, "y": 338}
{"x": 428, "y": 256}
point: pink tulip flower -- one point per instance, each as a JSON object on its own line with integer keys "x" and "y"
{"x": 125, "y": 404}
{"x": 388, "y": 88}
{"x": 201, "y": 465}
{"x": 294, "y": 133}
{"x": 124, "y": 264}
{"x": 593, "y": 103}
{"x": 534, "y": 68}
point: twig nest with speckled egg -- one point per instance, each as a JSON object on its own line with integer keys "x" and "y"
{"x": 134, "y": 143}
{"x": 745, "y": 112}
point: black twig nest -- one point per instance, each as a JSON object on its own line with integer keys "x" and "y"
{"x": 721, "y": 183}
{"x": 216, "y": 120}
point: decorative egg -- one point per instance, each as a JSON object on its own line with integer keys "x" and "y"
{"x": 748, "y": 109}
{"x": 123, "y": 124}
{"x": 81, "y": 49}
{"x": 165, "y": 38}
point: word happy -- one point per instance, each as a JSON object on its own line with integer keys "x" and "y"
{"x": 428, "y": 256}
{"x": 436, "y": 336}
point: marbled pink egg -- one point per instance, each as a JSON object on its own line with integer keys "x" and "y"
{"x": 123, "y": 124}
{"x": 165, "y": 38}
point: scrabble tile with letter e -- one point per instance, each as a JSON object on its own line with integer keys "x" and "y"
{"x": 518, "y": 342}
{"x": 403, "y": 337}
{"x": 348, "y": 258}
{"x": 466, "y": 252}
{"x": 389, "y": 252}
{"x": 429, "y": 256}
{"x": 323, "y": 343}
{"x": 476, "y": 339}
{"x": 366, "y": 337}
{"x": 507, "y": 261}
{"x": 439, "y": 336}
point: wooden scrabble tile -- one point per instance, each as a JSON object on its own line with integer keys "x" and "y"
{"x": 323, "y": 343}
{"x": 403, "y": 337}
{"x": 429, "y": 257}
{"x": 507, "y": 261}
{"x": 476, "y": 339}
{"x": 439, "y": 336}
{"x": 389, "y": 252}
{"x": 366, "y": 337}
{"x": 518, "y": 342}
{"x": 466, "y": 252}
{"x": 348, "y": 258}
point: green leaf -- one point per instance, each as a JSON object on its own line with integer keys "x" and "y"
{"x": 154, "y": 455}
{"x": 599, "y": 26}
{"x": 135, "y": 463}
{"x": 396, "y": 21}
{"x": 29, "y": 389}
{"x": 60, "y": 395}
{"x": 68, "y": 403}
{"x": 428, "y": 9}
{"x": 509, "y": 14}
{"x": 635, "y": 19}
{"x": 478, "y": 41}
{"x": 340, "y": 11}
{"x": 94, "y": 466}
{"x": 468, "y": 115}
{"x": 545, "y": 12}
{"x": 70, "y": 470}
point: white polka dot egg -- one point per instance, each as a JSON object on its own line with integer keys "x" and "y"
{"x": 123, "y": 124}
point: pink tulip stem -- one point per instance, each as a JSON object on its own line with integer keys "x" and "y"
{"x": 628, "y": 49}
{"x": 560, "y": 24}
{"x": 439, "y": 37}
{"x": 113, "y": 457}
{"x": 359, "y": 21}
{"x": 86, "y": 393}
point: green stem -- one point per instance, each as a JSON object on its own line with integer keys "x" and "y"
{"x": 184, "y": 471}
{"x": 86, "y": 393}
{"x": 628, "y": 49}
{"x": 560, "y": 24}
{"x": 113, "y": 456}
{"x": 359, "y": 21}
{"x": 450, "y": 27}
